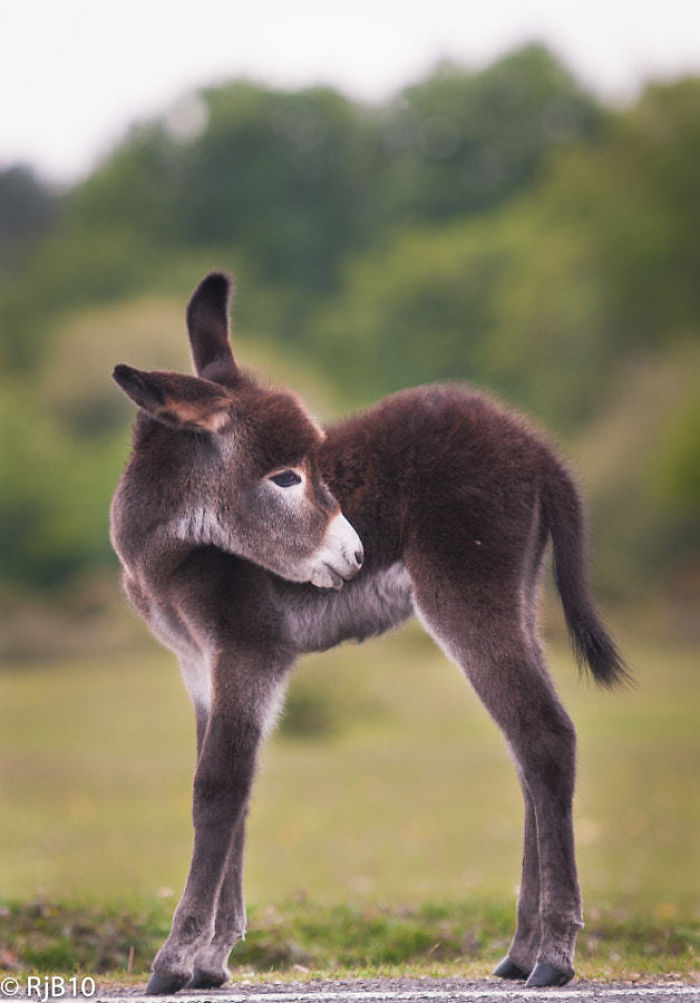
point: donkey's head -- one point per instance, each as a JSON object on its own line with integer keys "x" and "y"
{"x": 220, "y": 461}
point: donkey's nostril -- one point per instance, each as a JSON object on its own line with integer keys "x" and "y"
{"x": 359, "y": 556}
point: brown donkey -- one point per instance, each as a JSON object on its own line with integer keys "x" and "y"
{"x": 249, "y": 536}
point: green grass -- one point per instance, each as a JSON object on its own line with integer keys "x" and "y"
{"x": 302, "y": 938}
{"x": 386, "y": 824}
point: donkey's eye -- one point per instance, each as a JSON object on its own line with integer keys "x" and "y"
{"x": 286, "y": 479}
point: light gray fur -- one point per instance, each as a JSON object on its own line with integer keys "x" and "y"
{"x": 365, "y": 607}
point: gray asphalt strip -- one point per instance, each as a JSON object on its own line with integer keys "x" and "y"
{"x": 648, "y": 994}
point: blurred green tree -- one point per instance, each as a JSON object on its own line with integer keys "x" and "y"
{"x": 460, "y": 143}
{"x": 27, "y": 210}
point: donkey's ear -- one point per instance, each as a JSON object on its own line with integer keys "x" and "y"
{"x": 208, "y": 323}
{"x": 175, "y": 400}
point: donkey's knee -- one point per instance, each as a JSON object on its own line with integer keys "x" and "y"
{"x": 218, "y": 797}
{"x": 224, "y": 774}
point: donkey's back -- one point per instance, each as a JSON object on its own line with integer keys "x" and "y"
{"x": 249, "y": 535}
{"x": 462, "y": 483}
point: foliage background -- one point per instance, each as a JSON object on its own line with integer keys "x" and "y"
{"x": 502, "y": 227}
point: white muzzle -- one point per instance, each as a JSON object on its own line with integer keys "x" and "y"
{"x": 339, "y": 557}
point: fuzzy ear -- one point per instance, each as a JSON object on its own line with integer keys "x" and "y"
{"x": 175, "y": 400}
{"x": 208, "y": 323}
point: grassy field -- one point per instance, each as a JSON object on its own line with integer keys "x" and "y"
{"x": 386, "y": 822}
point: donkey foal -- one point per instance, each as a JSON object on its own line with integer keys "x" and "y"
{"x": 249, "y": 536}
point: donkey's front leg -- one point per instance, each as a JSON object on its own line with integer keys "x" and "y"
{"x": 211, "y": 961}
{"x": 222, "y": 785}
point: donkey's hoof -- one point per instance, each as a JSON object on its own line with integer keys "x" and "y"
{"x": 207, "y": 980}
{"x": 547, "y": 975}
{"x": 165, "y": 985}
{"x": 509, "y": 970}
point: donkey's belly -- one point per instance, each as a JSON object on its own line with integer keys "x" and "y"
{"x": 368, "y": 605}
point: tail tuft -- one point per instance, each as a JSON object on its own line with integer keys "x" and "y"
{"x": 593, "y": 647}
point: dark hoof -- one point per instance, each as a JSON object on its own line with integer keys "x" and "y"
{"x": 509, "y": 970}
{"x": 206, "y": 980}
{"x": 547, "y": 975}
{"x": 165, "y": 985}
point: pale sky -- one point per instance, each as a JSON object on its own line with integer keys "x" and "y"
{"x": 75, "y": 73}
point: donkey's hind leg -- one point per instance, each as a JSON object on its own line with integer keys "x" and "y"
{"x": 487, "y": 639}
{"x": 522, "y": 953}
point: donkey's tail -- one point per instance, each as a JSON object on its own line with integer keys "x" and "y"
{"x": 563, "y": 516}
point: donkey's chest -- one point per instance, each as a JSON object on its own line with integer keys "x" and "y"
{"x": 369, "y": 605}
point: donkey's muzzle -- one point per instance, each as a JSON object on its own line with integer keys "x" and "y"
{"x": 339, "y": 557}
